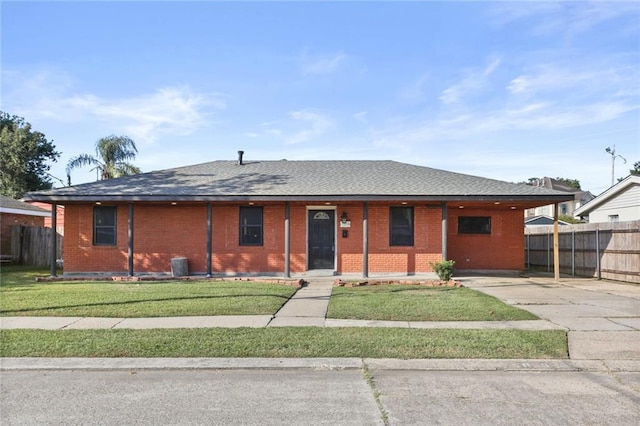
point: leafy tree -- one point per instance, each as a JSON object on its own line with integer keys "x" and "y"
{"x": 111, "y": 160}
{"x": 24, "y": 154}
{"x": 573, "y": 183}
{"x": 635, "y": 171}
{"x": 568, "y": 218}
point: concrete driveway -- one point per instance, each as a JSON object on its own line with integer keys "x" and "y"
{"x": 602, "y": 317}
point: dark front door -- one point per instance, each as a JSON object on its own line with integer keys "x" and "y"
{"x": 321, "y": 239}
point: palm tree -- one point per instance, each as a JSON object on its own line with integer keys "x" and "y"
{"x": 111, "y": 159}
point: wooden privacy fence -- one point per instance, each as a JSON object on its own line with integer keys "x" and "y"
{"x": 601, "y": 250}
{"x": 31, "y": 245}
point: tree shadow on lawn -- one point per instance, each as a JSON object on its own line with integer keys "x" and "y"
{"x": 131, "y": 302}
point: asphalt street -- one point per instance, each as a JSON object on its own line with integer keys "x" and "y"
{"x": 376, "y": 393}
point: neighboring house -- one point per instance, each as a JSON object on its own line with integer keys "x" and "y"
{"x": 541, "y": 221}
{"x": 14, "y": 212}
{"x": 283, "y": 217}
{"x": 566, "y": 208}
{"x": 619, "y": 203}
{"x": 47, "y": 220}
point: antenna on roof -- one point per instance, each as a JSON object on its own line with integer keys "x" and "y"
{"x": 613, "y": 161}
{"x": 240, "y": 154}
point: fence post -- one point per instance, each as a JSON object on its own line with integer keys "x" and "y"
{"x": 528, "y": 251}
{"x": 599, "y": 273}
{"x": 548, "y": 252}
{"x": 573, "y": 251}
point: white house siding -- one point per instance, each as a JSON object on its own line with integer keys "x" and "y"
{"x": 626, "y": 205}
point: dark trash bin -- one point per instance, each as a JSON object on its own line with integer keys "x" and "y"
{"x": 179, "y": 267}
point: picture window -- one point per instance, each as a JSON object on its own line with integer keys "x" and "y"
{"x": 474, "y": 225}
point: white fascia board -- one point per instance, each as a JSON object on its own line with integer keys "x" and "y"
{"x": 24, "y": 212}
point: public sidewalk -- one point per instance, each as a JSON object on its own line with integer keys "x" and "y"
{"x": 602, "y": 318}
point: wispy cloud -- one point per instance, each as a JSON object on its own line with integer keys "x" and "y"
{"x": 361, "y": 116}
{"x": 475, "y": 80}
{"x": 300, "y": 126}
{"x": 538, "y": 116}
{"x": 547, "y": 78}
{"x": 168, "y": 110}
{"x": 319, "y": 64}
{"x": 566, "y": 18}
{"x": 317, "y": 124}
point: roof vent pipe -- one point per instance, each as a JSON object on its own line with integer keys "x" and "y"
{"x": 240, "y": 154}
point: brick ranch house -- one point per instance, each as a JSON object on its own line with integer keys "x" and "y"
{"x": 284, "y": 217}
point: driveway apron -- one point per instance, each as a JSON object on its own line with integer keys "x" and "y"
{"x": 602, "y": 317}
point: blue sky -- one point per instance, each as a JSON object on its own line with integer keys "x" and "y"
{"x": 496, "y": 89}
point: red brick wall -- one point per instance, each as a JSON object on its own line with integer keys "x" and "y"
{"x": 80, "y": 255}
{"x": 162, "y": 231}
{"x": 502, "y": 249}
{"x": 383, "y": 257}
{"x": 7, "y": 221}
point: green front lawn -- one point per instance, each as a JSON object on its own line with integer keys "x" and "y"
{"x": 420, "y": 303}
{"x": 20, "y": 295}
{"x": 286, "y": 342}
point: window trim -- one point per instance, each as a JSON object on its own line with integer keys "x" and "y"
{"x": 462, "y": 231}
{"x": 392, "y": 227}
{"x": 114, "y": 209}
{"x": 252, "y": 225}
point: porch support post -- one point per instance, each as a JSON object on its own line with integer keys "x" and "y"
{"x": 54, "y": 239}
{"x": 209, "y": 239}
{"x": 444, "y": 231}
{"x": 365, "y": 240}
{"x": 287, "y": 242}
{"x": 556, "y": 245}
{"x": 130, "y": 239}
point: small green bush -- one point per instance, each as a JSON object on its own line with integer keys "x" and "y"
{"x": 444, "y": 269}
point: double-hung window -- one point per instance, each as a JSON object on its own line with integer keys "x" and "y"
{"x": 401, "y": 226}
{"x": 104, "y": 225}
{"x": 251, "y": 226}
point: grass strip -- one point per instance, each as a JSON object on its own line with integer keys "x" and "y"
{"x": 286, "y": 342}
{"x": 131, "y": 300}
{"x": 420, "y": 303}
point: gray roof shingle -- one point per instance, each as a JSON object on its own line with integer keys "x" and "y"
{"x": 10, "y": 203}
{"x": 219, "y": 180}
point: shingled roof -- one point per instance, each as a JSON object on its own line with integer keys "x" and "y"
{"x": 9, "y": 205}
{"x": 299, "y": 180}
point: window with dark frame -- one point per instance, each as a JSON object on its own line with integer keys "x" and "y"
{"x": 401, "y": 226}
{"x": 474, "y": 225}
{"x": 251, "y": 226}
{"x": 104, "y": 225}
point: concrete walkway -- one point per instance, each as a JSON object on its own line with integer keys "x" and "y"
{"x": 602, "y": 318}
